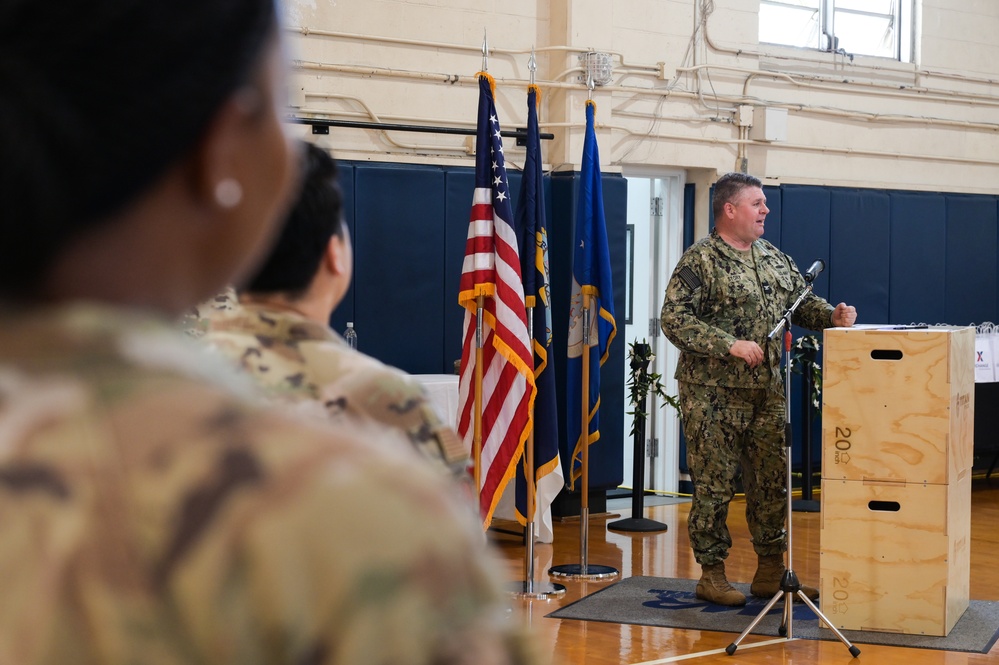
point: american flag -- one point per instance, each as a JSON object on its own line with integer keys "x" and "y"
{"x": 492, "y": 269}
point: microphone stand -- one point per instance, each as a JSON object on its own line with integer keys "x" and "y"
{"x": 789, "y": 584}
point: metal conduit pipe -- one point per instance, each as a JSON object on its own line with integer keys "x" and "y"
{"x": 458, "y": 79}
{"x": 464, "y": 47}
{"x": 638, "y": 67}
{"x": 644, "y": 134}
{"x": 470, "y": 80}
{"x": 911, "y": 92}
{"x": 868, "y": 88}
{"x": 961, "y": 124}
{"x": 562, "y": 75}
{"x": 575, "y": 49}
{"x": 453, "y": 79}
{"x": 869, "y": 117}
{"x": 785, "y": 146}
{"x": 819, "y": 110}
{"x": 739, "y": 143}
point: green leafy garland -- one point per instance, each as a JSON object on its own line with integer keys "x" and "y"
{"x": 803, "y": 353}
{"x": 642, "y": 382}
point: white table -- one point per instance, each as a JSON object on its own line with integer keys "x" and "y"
{"x": 443, "y": 392}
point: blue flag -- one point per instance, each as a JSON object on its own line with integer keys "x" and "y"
{"x": 533, "y": 238}
{"x": 591, "y": 275}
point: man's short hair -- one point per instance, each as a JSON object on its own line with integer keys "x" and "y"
{"x": 727, "y": 189}
{"x": 316, "y": 217}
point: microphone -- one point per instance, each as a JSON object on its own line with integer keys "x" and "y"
{"x": 814, "y": 270}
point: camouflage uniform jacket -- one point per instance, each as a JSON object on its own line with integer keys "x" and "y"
{"x": 195, "y": 321}
{"x": 150, "y": 514}
{"x": 717, "y": 295}
{"x": 306, "y": 364}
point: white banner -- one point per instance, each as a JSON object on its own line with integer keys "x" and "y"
{"x": 986, "y": 344}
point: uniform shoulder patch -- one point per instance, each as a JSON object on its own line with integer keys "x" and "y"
{"x": 690, "y": 278}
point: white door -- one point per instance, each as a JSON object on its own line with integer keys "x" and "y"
{"x": 655, "y": 224}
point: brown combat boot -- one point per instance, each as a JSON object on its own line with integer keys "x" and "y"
{"x": 766, "y": 582}
{"x": 714, "y": 588}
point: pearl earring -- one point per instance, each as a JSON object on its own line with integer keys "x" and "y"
{"x": 228, "y": 193}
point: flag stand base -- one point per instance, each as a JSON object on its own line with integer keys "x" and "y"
{"x": 577, "y": 571}
{"x": 536, "y": 590}
{"x": 639, "y": 524}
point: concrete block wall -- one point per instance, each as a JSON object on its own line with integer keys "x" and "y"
{"x": 679, "y": 79}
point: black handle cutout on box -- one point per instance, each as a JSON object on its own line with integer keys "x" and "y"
{"x": 884, "y": 506}
{"x": 886, "y": 354}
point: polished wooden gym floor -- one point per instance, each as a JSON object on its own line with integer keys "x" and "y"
{"x": 573, "y": 642}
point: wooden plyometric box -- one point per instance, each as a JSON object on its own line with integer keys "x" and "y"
{"x": 898, "y": 404}
{"x": 895, "y": 557}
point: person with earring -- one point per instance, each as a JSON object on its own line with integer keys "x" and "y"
{"x": 152, "y": 509}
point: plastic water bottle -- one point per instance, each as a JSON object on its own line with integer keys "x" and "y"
{"x": 350, "y": 335}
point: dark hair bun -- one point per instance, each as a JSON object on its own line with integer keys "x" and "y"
{"x": 98, "y": 100}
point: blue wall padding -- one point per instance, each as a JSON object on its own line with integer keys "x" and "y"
{"x": 899, "y": 257}
{"x": 409, "y": 225}
{"x": 689, "y": 200}
{"x": 457, "y": 205}
{"x": 804, "y": 232}
{"x": 859, "y": 238}
{"x": 917, "y": 258}
{"x": 772, "y": 227}
{"x": 399, "y": 265}
{"x": 612, "y": 381}
{"x": 970, "y": 284}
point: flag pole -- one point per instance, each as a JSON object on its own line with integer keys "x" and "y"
{"x": 529, "y": 588}
{"x": 584, "y": 498}
{"x": 477, "y": 409}
{"x": 477, "y": 388}
{"x": 530, "y": 476}
{"x": 583, "y": 570}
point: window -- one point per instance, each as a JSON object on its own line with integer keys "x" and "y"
{"x": 854, "y": 27}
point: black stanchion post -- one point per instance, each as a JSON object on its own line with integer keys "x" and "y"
{"x": 637, "y": 521}
{"x": 806, "y": 504}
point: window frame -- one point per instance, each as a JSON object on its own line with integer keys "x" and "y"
{"x": 901, "y": 16}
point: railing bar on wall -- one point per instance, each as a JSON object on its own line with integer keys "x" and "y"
{"x": 426, "y": 129}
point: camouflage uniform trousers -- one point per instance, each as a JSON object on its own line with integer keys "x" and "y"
{"x": 729, "y": 429}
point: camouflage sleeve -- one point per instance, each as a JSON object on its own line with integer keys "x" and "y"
{"x": 422, "y": 588}
{"x": 681, "y": 316}
{"x": 386, "y": 395}
{"x": 352, "y": 557}
{"x": 814, "y": 313}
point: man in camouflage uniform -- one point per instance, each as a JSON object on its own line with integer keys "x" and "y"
{"x": 726, "y": 294}
{"x": 279, "y": 332}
